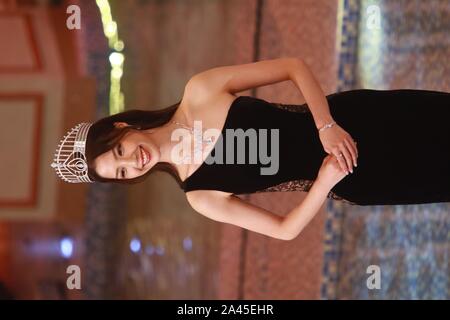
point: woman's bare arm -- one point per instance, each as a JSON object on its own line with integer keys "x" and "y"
{"x": 297, "y": 219}
{"x": 241, "y": 77}
{"x": 223, "y": 207}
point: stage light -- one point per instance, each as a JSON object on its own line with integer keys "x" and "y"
{"x": 116, "y": 59}
{"x": 150, "y": 250}
{"x": 66, "y": 247}
{"x": 135, "y": 245}
{"x": 187, "y": 243}
{"x": 110, "y": 29}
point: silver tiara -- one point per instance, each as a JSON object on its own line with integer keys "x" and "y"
{"x": 70, "y": 159}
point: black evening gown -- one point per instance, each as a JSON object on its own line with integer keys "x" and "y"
{"x": 403, "y": 141}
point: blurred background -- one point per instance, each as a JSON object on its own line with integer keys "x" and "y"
{"x": 63, "y": 62}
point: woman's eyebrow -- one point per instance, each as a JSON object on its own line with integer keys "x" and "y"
{"x": 115, "y": 157}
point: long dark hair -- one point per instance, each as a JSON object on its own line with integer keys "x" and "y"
{"x": 104, "y": 136}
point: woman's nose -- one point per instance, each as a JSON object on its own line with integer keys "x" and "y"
{"x": 129, "y": 161}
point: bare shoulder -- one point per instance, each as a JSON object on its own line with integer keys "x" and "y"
{"x": 201, "y": 103}
{"x": 212, "y": 110}
{"x": 204, "y": 198}
{"x": 210, "y": 203}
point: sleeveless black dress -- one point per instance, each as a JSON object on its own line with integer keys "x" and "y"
{"x": 403, "y": 141}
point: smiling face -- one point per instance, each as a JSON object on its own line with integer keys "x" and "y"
{"x": 132, "y": 157}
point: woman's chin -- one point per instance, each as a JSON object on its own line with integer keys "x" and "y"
{"x": 153, "y": 161}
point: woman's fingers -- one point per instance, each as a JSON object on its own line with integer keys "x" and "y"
{"x": 341, "y": 157}
{"x": 348, "y": 158}
{"x": 353, "y": 151}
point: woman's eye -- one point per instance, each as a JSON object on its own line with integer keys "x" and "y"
{"x": 120, "y": 150}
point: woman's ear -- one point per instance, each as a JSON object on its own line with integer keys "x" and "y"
{"x": 120, "y": 124}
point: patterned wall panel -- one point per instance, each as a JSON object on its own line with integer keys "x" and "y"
{"x": 20, "y": 134}
{"x": 19, "y": 46}
{"x": 346, "y": 43}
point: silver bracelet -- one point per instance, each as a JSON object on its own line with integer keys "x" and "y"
{"x": 328, "y": 125}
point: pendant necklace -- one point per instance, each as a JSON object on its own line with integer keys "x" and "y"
{"x": 198, "y": 136}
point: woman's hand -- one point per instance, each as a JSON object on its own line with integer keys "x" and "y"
{"x": 330, "y": 173}
{"x": 336, "y": 141}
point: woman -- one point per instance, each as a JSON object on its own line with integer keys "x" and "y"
{"x": 364, "y": 147}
